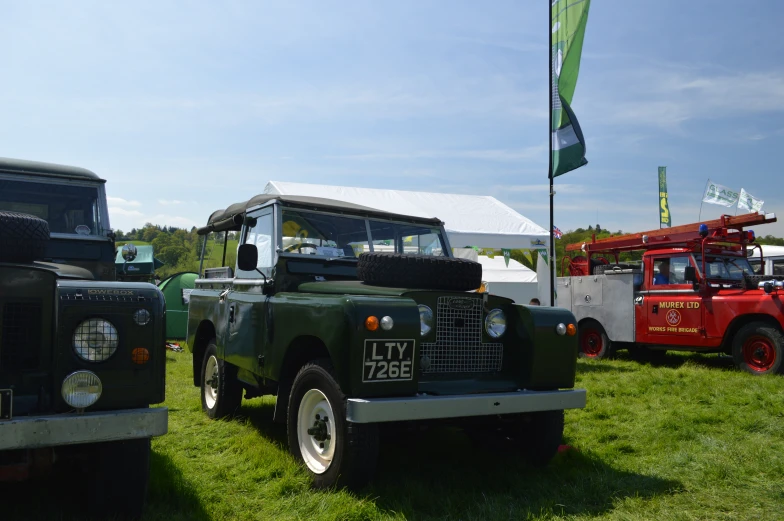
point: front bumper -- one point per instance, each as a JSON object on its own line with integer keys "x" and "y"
{"x": 425, "y": 407}
{"x": 31, "y": 432}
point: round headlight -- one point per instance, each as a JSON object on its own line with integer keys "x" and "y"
{"x": 495, "y": 323}
{"x": 81, "y": 389}
{"x": 95, "y": 340}
{"x": 141, "y": 317}
{"x": 425, "y": 319}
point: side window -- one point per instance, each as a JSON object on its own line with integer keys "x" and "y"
{"x": 778, "y": 267}
{"x": 670, "y": 270}
{"x": 756, "y": 267}
{"x": 261, "y": 235}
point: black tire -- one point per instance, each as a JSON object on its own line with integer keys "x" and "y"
{"x": 23, "y": 237}
{"x": 534, "y": 436}
{"x": 542, "y": 434}
{"x": 118, "y": 478}
{"x": 223, "y": 397}
{"x": 354, "y": 452}
{"x": 593, "y": 341}
{"x": 419, "y": 271}
{"x": 758, "y": 349}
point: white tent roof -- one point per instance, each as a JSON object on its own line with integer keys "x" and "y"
{"x": 496, "y": 270}
{"x": 470, "y": 220}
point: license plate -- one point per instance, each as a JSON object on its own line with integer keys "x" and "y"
{"x": 6, "y": 401}
{"x": 388, "y": 361}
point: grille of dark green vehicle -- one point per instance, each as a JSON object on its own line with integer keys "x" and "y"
{"x": 20, "y": 340}
{"x": 458, "y": 347}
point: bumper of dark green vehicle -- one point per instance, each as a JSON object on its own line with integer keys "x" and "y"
{"x": 31, "y": 432}
{"x": 426, "y": 407}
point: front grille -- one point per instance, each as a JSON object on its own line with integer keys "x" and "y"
{"x": 458, "y": 347}
{"x": 20, "y": 341}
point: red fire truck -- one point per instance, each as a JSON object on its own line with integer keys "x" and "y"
{"x": 693, "y": 291}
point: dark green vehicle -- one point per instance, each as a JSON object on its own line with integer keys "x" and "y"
{"x": 82, "y": 357}
{"x": 355, "y": 319}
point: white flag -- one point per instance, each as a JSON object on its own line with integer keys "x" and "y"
{"x": 720, "y": 194}
{"x": 748, "y": 202}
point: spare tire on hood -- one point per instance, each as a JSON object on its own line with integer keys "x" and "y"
{"x": 23, "y": 237}
{"x": 419, "y": 271}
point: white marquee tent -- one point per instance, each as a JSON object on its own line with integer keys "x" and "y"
{"x": 470, "y": 220}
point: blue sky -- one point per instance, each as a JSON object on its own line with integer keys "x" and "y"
{"x": 186, "y": 107}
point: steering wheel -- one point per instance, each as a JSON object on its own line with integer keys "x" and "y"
{"x": 306, "y": 245}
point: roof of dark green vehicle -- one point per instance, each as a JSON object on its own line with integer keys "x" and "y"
{"x": 36, "y": 168}
{"x": 231, "y": 218}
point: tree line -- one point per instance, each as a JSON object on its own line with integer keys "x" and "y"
{"x": 180, "y": 249}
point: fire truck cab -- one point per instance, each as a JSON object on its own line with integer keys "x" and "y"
{"x": 694, "y": 290}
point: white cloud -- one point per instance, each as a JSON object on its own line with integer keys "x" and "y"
{"x": 119, "y": 201}
{"x": 515, "y": 154}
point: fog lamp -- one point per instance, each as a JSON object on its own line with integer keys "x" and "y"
{"x": 81, "y": 389}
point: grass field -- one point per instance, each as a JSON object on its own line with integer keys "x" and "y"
{"x": 690, "y": 440}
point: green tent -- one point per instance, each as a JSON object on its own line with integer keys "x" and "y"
{"x": 177, "y": 293}
{"x": 141, "y": 268}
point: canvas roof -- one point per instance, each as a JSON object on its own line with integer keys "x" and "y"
{"x": 470, "y": 220}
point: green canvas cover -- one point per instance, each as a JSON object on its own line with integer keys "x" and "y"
{"x": 145, "y": 262}
{"x": 176, "y": 292}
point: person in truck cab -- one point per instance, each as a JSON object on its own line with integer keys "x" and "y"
{"x": 663, "y": 277}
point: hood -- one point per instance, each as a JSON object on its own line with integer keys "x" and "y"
{"x": 62, "y": 271}
{"x": 350, "y": 287}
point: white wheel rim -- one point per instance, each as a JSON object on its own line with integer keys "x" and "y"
{"x": 211, "y": 382}
{"x": 315, "y": 411}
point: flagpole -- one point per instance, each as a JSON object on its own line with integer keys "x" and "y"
{"x": 703, "y": 197}
{"x": 551, "y": 265}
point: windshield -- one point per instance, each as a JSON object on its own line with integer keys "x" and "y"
{"x": 724, "y": 267}
{"x": 311, "y": 233}
{"x": 406, "y": 238}
{"x": 67, "y": 208}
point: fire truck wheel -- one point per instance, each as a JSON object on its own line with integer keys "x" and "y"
{"x": 221, "y": 392}
{"x": 758, "y": 348}
{"x": 419, "y": 271}
{"x": 335, "y": 451}
{"x": 594, "y": 342}
{"x": 23, "y": 237}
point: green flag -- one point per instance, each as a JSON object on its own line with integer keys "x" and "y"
{"x": 664, "y": 208}
{"x": 567, "y": 20}
{"x": 507, "y": 255}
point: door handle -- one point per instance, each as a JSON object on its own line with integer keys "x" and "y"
{"x": 231, "y": 314}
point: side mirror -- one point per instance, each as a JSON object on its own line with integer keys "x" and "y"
{"x": 247, "y": 257}
{"x": 690, "y": 274}
{"x": 129, "y": 252}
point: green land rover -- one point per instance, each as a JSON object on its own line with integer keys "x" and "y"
{"x": 358, "y": 319}
{"x": 82, "y": 357}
